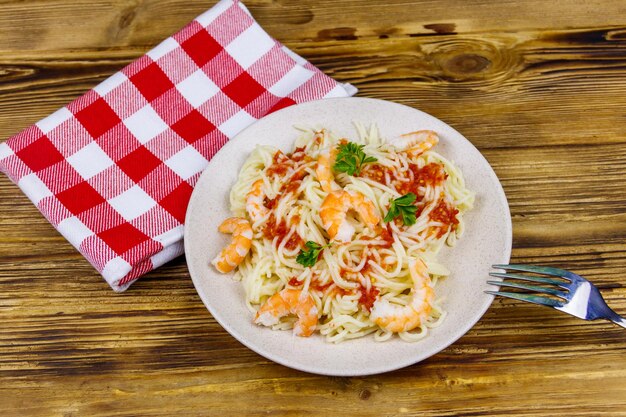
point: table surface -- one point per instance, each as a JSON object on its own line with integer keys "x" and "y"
{"x": 538, "y": 87}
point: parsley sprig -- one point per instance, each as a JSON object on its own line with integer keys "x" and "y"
{"x": 308, "y": 256}
{"x": 351, "y": 158}
{"x": 403, "y": 206}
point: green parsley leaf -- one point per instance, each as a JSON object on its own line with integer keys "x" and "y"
{"x": 308, "y": 256}
{"x": 392, "y": 213}
{"x": 345, "y": 166}
{"x": 350, "y": 158}
{"x": 403, "y": 206}
{"x": 406, "y": 200}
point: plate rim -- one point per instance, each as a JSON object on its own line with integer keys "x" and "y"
{"x": 372, "y": 370}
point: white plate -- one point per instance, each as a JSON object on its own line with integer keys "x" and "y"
{"x": 487, "y": 240}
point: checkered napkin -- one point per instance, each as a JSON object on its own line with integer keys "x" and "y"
{"x": 113, "y": 170}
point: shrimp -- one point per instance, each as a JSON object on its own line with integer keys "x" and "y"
{"x": 335, "y": 208}
{"x": 286, "y": 302}
{"x": 415, "y": 143}
{"x": 396, "y": 318}
{"x": 233, "y": 254}
{"x": 324, "y": 170}
{"x": 254, "y": 202}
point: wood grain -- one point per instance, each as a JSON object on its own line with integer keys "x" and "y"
{"x": 539, "y": 87}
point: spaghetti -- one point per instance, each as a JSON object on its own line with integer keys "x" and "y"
{"x": 342, "y": 237}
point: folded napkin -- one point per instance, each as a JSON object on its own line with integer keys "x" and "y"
{"x": 113, "y": 170}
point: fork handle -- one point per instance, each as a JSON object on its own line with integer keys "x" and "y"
{"x": 617, "y": 319}
{"x": 620, "y": 322}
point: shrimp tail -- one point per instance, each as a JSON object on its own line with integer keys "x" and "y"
{"x": 233, "y": 254}
{"x": 335, "y": 207}
{"x": 286, "y": 302}
{"x": 415, "y": 143}
{"x": 324, "y": 170}
{"x": 396, "y": 318}
{"x": 255, "y": 201}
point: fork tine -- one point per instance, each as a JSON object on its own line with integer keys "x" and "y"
{"x": 535, "y": 288}
{"x": 545, "y": 270}
{"x": 529, "y": 278}
{"x": 535, "y": 299}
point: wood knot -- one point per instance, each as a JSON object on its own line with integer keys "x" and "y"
{"x": 365, "y": 394}
{"x": 467, "y": 63}
{"x": 616, "y": 35}
{"x": 12, "y": 73}
{"x": 340, "y": 34}
{"x": 470, "y": 59}
{"x": 126, "y": 19}
{"x": 123, "y": 24}
{"x": 442, "y": 28}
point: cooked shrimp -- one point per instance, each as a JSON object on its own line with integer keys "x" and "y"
{"x": 397, "y": 318}
{"x": 254, "y": 202}
{"x": 233, "y": 254}
{"x": 324, "y": 169}
{"x": 287, "y": 302}
{"x": 335, "y": 207}
{"x": 415, "y": 143}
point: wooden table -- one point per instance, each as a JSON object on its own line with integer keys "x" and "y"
{"x": 539, "y": 87}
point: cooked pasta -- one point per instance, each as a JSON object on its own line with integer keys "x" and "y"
{"x": 341, "y": 235}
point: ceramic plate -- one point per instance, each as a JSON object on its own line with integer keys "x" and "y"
{"x": 487, "y": 240}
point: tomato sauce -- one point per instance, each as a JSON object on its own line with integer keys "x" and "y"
{"x": 298, "y": 155}
{"x": 291, "y": 187}
{"x": 368, "y": 297}
{"x": 319, "y": 287}
{"x": 280, "y": 164}
{"x": 272, "y": 229}
{"x": 431, "y": 174}
{"x": 337, "y": 290}
{"x": 375, "y": 172}
{"x": 316, "y": 285}
{"x": 299, "y": 176}
{"x": 343, "y": 273}
{"x": 270, "y": 203}
{"x": 278, "y": 169}
{"x": 387, "y": 236}
{"x": 281, "y": 230}
{"x": 366, "y": 266}
{"x": 445, "y": 214}
{"x": 406, "y": 187}
{"x": 295, "y": 241}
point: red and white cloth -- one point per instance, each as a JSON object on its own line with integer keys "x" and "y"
{"x": 114, "y": 169}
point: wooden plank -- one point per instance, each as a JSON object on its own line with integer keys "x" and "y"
{"x": 538, "y": 87}
{"x": 62, "y": 25}
{"x": 494, "y": 77}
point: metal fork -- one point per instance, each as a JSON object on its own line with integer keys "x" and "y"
{"x": 576, "y": 295}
